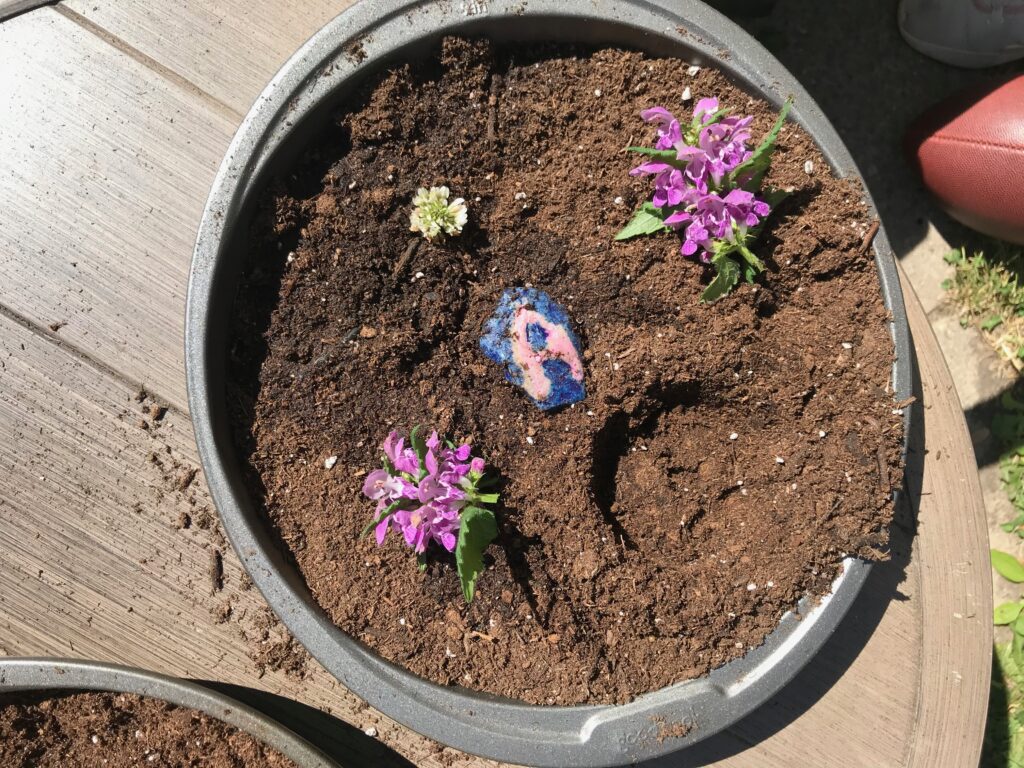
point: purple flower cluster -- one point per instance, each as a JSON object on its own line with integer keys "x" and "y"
{"x": 691, "y": 184}
{"x": 421, "y": 493}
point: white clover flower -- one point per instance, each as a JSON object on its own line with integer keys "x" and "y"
{"x": 433, "y": 215}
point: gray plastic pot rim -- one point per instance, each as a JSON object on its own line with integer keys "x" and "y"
{"x": 24, "y": 674}
{"x": 501, "y": 729}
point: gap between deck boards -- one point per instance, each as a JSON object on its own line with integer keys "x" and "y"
{"x": 167, "y": 73}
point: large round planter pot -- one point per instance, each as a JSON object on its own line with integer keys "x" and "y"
{"x": 300, "y": 98}
{"x": 69, "y": 676}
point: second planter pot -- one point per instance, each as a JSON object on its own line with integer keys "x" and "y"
{"x": 68, "y": 676}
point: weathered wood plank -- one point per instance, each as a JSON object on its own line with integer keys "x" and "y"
{"x": 103, "y": 175}
{"x": 228, "y": 48}
{"x": 956, "y": 595}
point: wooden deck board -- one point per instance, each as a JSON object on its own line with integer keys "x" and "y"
{"x": 228, "y": 48}
{"x": 105, "y": 169}
{"x": 956, "y": 602}
{"x": 110, "y": 146}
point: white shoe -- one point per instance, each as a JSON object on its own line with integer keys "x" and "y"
{"x": 965, "y": 33}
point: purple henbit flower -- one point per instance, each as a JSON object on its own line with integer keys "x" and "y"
{"x": 711, "y": 217}
{"x": 430, "y": 492}
{"x": 714, "y": 146}
{"x": 704, "y": 111}
{"x": 707, "y": 183}
{"x": 724, "y": 144}
{"x": 421, "y": 493}
{"x": 669, "y": 133}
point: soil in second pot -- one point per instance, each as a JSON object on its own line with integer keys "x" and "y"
{"x": 727, "y": 456}
{"x": 49, "y": 729}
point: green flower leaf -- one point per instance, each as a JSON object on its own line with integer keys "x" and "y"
{"x": 1018, "y": 521}
{"x": 1010, "y": 403}
{"x": 477, "y": 529}
{"x": 756, "y": 166}
{"x": 726, "y": 279}
{"x": 646, "y": 221}
{"x": 387, "y": 512}
{"x": 486, "y": 498}
{"x": 1008, "y": 566}
{"x": 774, "y": 195}
{"x": 753, "y": 267}
{"x": 991, "y": 323}
{"x": 664, "y": 155}
{"x": 420, "y": 446}
{"x": 955, "y": 257}
{"x": 1006, "y": 613}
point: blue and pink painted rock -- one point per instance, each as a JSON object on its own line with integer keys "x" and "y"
{"x": 531, "y": 337}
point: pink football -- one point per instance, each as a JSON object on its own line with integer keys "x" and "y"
{"x": 969, "y": 150}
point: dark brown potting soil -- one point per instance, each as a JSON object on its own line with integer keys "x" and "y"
{"x": 726, "y": 459}
{"x": 117, "y": 730}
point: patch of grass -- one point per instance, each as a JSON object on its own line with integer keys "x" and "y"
{"x": 1004, "y": 730}
{"x": 1008, "y": 427}
{"x": 989, "y": 287}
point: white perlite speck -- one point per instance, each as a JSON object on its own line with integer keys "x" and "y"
{"x": 617, "y": 201}
{"x": 809, "y": 167}
{"x": 687, "y": 93}
{"x": 597, "y": 91}
{"x": 693, "y": 70}
{"x": 751, "y": 587}
{"x": 847, "y": 345}
{"x": 371, "y": 731}
{"x": 779, "y": 460}
{"x": 733, "y": 436}
{"x": 520, "y": 196}
{"x": 821, "y": 433}
{"x": 330, "y": 461}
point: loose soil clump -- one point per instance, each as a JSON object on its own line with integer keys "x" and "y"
{"x": 727, "y": 456}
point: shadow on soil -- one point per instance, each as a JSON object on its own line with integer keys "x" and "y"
{"x": 835, "y": 657}
{"x": 348, "y": 746}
